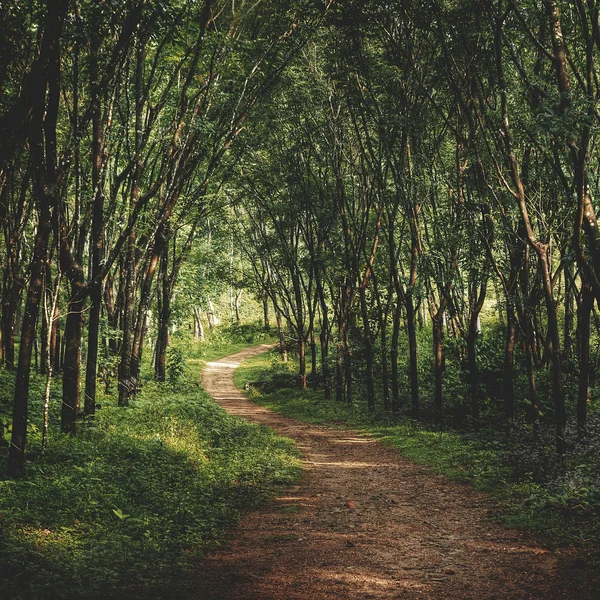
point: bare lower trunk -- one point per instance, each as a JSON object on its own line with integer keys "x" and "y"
{"x": 91, "y": 368}
{"x": 583, "y": 325}
{"x": 16, "y": 452}
{"x": 473, "y": 374}
{"x": 125, "y": 382}
{"x": 302, "y": 361}
{"x": 413, "y": 373}
{"x": 282, "y": 345}
{"x": 438, "y": 336}
{"x": 164, "y": 318}
{"x": 394, "y": 357}
{"x": 266, "y": 320}
{"x": 509, "y": 353}
{"x": 72, "y": 364}
{"x": 368, "y": 341}
{"x": 313, "y": 362}
{"x": 339, "y": 360}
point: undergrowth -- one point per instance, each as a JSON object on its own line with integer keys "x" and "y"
{"x": 123, "y": 509}
{"x": 535, "y": 489}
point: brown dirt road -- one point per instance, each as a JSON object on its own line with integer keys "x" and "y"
{"x": 364, "y": 522}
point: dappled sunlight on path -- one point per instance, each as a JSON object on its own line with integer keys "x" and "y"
{"x": 366, "y": 523}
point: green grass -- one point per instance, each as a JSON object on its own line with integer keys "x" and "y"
{"x": 564, "y": 506}
{"x": 224, "y": 341}
{"x": 125, "y": 507}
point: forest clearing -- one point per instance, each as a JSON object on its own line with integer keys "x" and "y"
{"x": 395, "y": 200}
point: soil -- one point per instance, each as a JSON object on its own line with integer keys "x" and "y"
{"x": 364, "y": 522}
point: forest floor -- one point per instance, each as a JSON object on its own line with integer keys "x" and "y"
{"x": 364, "y": 522}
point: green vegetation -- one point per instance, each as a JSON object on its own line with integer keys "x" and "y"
{"x": 518, "y": 468}
{"x": 123, "y": 508}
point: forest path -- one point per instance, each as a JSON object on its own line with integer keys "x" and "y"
{"x": 364, "y": 522}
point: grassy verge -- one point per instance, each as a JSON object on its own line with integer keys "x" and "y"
{"x": 122, "y": 509}
{"x": 561, "y": 503}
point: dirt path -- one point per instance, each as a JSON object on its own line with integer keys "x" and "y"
{"x": 366, "y": 523}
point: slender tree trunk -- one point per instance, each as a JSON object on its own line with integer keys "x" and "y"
{"x": 313, "y": 362}
{"x": 16, "y": 452}
{"x": 509, "y": 353}
{"x": 144, "y": 300}
{"x": 586, "y": 303}
{"x": 302, "y": 360}
{"x": 339, "y": 360}
{"x": 49, "y": 315}
{"x": 164, "y": 318}
{"x": 396, "y": 323}
{"x": 212, "y": 317}
{"x": 112, "y": 314}
{"x": 55, "y": 342}
{"x": 324, "y": 339}
{"x": 72, "y": 361}
{"x": 97, "y": 237}
{"x": 384, "y": 363}
{"x": 125, "y": 381}
{"x": 438, "y": 337}
{"x": 569, "y": 273}
{"x": 10, "y": 306}
{"x": 266, "y": 320}
{"x": 473, "y": 374}
{"x": 413, "y": 359}
{"x": 368, "y": 341}
{"x": 282, "y": 344}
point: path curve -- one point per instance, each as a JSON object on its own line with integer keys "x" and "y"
{"x": 364, "y": 522}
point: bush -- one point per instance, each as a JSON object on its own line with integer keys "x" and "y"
{"x": 122, "y": 509}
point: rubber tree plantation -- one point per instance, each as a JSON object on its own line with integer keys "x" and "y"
{"x": 401, "y": 196}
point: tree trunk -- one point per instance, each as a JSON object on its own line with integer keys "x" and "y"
{"x": 302, "y": 361}
{"x": 569, "y": 273}
{"x": 438, "y": 353}
{"x": 324, "y": 339}
{"x": 368, "y": 341}
{"x": 11, "y": 301}
{"x": 112, "y": 314}
{"x": 164, "y": 318}
{"x": 339, "y": 360}
{"x": 413, "y": 373}
{"x": 266, "y": 320}
{"x": 557, "y": 383}
{"x": 55, "y": 343}
{"x": 97, "y": 233}
{"x": 16, "y": 452}
{"x": 509, "y": 353}
{"x": 143, "y": 307}
{"x": 282, "y": 344}
{"x": 586, "y": 303}
{"x": 473, "y": 374}
{"x": 72, "y": 360}
{"x": 125, "y": 381}
{"x": 394, "y": 356}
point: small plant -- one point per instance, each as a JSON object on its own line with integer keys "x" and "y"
{"x": 176, "y": 366}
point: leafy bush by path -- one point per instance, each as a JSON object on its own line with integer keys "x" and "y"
{"x": 537, "y": 490}
{"x": 123, "y": 508}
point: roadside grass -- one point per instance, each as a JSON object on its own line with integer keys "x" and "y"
{"x": 223, "y": 341}
{"x": 123, "y": 509}
{"x": 533, "y": 490}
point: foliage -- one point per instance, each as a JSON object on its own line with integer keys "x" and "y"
{"x": 123, "y": 508}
